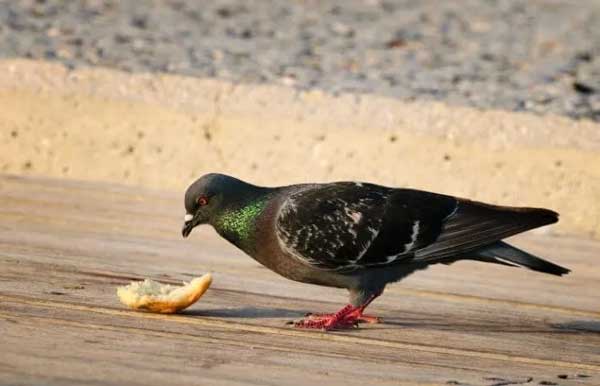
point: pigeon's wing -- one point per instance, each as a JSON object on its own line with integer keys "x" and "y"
{"x": 331, "y": 226}
{"x": 474, "y": 225}
{"x": 445, "y": 228}
{"x": 345, "y": 226}
{"x": 412, "y": 220}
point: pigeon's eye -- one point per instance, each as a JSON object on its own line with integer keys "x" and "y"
{"x": 202, "y": 200}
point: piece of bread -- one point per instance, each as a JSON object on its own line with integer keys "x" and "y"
{"x": 163, "y": 298}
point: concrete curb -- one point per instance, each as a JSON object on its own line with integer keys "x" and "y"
{"x": 163, "y": 131}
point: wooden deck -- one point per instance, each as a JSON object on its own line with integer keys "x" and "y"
{"x": 65, "y": 246}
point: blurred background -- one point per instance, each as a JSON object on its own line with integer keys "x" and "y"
{"x": 540, "y": 56}
{"x": 497, "y": 100}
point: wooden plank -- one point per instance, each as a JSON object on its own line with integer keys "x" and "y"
{"x": 64, "y": 246}
{"x": 203, "y": 340}
{"x": 149, "y": 352}
{"x": 463, "y": 329}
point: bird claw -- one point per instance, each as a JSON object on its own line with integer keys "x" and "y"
{"x": 348, "y": 317}
{"x": 325, "y": 325}
{"x": 370, "y": 319}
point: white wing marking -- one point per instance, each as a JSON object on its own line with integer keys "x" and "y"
{"x": 408, "y": 246}
{"x": 413, "y": 237}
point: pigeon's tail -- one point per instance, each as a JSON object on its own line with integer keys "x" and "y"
{"x": 503, "y": 253}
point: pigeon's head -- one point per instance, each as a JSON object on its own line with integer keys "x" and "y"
{"x": 207, "y": 196}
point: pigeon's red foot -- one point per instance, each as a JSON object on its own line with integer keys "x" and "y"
{"x": 369, "y": 319}
{"x": 361, "y": 318}
{"x": 347, "y": 317}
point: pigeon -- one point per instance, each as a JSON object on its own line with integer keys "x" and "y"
{"x": 359, "y": 236}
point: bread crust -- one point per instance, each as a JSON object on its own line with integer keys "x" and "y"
{"x": 163, "y": 298}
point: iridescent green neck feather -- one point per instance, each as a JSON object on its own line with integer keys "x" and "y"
{"x": 238, "y": 225}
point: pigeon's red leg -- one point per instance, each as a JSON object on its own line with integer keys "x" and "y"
{"x": 357, "y": 315}
{"x": 347, "y": 317}
{"x": 326, "y": 321}
{"x": 361, "y": 318}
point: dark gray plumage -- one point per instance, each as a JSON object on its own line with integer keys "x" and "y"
{"x": 358, "y": 236}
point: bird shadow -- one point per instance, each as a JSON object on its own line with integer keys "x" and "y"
{"x": 576, "y": 326}
{"x": 429, "y": 323}
{"x": 246, "y": 313}
{"x": 592, "y": 326}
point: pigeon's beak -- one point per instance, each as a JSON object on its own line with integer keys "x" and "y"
{"x": 188, "y": 225}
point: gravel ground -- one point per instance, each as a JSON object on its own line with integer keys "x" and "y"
{"x": 534, "y": 55}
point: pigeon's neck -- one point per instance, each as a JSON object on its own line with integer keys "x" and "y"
{"x": 237, "y": 223}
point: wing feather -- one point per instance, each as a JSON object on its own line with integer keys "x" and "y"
{"x": 331, "y": 226}
{"x": 348, "y": 226}
{"x": 474, "y": 225}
